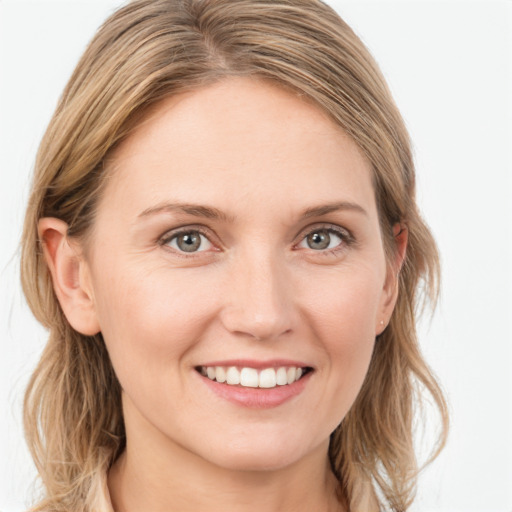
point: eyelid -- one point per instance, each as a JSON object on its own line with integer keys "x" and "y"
{"x": 345, "y": 235}
{"x": 164, "y": 239}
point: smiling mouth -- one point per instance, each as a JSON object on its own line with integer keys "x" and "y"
{"x": 247, "y": 377}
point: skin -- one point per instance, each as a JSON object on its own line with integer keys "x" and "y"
{"x": 255, "y": 290}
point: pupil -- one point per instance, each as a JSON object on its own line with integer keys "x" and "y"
{"x": 319, "y": 240}
{"x": 189, "y": 242}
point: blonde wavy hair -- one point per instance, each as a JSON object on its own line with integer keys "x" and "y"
{"x": 147, "y": 51}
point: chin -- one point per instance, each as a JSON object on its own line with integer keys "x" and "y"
{"x": 251, "y": 462}
{"x": 265, "y": 455}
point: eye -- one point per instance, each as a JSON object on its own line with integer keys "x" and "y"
{"x": 188, "y": 241}
{"x": 322, "y": 239}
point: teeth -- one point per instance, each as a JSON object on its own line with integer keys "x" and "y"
{"x": 220, "y": 374}
{"x": 251, "y": 378}
{"x": 268, "y": 378}
{"x": 232, "y": 376}
{"x": 281, "y": 379}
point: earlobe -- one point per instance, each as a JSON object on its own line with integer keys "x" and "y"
{"x": 69, "y": 275}
{"x": 390, "y": 295}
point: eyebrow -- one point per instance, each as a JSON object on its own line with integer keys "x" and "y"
{"x": 317, "y": 211}
{"x": 210, "y": 212}
{"x": 196, "y": 210}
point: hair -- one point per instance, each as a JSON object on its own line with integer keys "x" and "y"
{"x": 145, "y": 52}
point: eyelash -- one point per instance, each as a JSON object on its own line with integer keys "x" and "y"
{"x": 346, "y": 237}
{"x": 169, "y": 236}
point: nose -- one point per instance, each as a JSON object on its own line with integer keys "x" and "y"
{"x": 258, "y": 300}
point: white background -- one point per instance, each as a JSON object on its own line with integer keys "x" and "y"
{"x": 449, "y": 65}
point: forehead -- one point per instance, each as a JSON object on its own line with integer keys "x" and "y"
{"x": 239, "y": 138}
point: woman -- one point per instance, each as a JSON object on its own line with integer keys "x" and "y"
{"x": 223, "y": 241}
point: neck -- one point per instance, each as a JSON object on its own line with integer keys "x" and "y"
{"x": 161, "y": 476}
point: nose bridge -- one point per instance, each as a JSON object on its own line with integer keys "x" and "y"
{"x": 259, "y": 296}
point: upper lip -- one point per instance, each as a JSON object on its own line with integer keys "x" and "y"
{"x": 258, "y": 364}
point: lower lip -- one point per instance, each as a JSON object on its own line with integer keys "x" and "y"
{"x": 257, "y": 398}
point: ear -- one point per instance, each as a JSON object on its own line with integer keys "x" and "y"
{"x": 390, "y": 290}
{"x": 70, "y": 275}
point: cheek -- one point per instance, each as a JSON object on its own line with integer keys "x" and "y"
{"x": 152, "y": 323}
{"x": 152, "y": 319}
{"x": 344, "y": 319}
{"x": 346, "y": 305}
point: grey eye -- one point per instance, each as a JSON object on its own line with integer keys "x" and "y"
{"x": 191, "y": 241}
{"x": 321, "y": 239}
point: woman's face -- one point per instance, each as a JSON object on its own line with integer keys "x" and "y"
{"x": 238, "y": 238}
